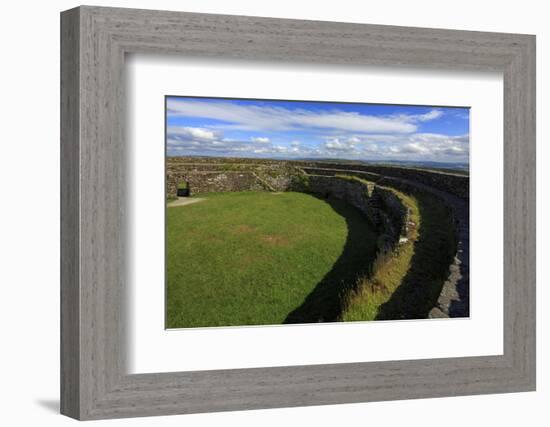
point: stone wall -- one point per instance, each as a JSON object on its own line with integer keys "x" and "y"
{"x": 352, "y": 191}
{"x": 280, "y": 175}
{"x": 397, "y": 213}
{"x": 380, "y": 205}
{"x": 213, "y": 182}
{"x": 217, "y": 175}
{"x": 369, "y": 188}
{"x": 451, "y": 183}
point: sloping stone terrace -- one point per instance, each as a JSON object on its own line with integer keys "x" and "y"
{"x": 381, "y": 206}
{"x": 448, "y": 182}
{"x": 236, "y": 174}
{"x": 454, "y": 300}
{"x": 278, "y": 174}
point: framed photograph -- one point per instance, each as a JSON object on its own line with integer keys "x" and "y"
{"x": 294, "y": 226}
{"x": 262, "y": 213}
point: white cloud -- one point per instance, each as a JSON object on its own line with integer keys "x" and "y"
{"x": 351, "y": 135}
{"x": 432, "y": 115}
{"x": 408, "y": 147}
{"x": 414, "y": 118}
{"x": 418, "y": 146}
{"x": 200, "y": 134}
{"x": 413, "y": 148}
{"x": 335, "y": 144}
{"x": 432, "y": 146}
{"x": 258, "y": 117}
{"x": 260, "y": 139}
{"x": 354, "y": 122}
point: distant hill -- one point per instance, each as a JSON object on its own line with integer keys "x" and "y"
{"x": 459, "y": 168}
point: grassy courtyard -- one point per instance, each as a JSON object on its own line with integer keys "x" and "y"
{"x": 263, "y": 258}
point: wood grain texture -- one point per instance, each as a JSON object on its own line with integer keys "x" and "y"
{"x": 94, "y": 273}
{"x": 70, "y": 220}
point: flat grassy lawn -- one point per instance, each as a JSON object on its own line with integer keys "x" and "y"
{"x": 262, "y": 258}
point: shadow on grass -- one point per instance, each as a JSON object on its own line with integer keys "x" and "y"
{"x": 433, "y": 253}
{"x": 326, "y": 302}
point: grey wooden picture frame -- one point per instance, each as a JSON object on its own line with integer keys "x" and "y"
{"x": 94, "y": 381}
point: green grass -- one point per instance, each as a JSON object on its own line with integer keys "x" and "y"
{"x": 261, "y": 258}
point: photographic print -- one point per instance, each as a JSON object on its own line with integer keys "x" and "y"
{"x": 295, "y": 212}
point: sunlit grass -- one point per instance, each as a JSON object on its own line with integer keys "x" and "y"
{"x": 253, "y": 258}
{"x": 262, "y": 258}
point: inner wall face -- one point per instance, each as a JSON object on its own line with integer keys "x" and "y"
{"x": 286, "y": 212}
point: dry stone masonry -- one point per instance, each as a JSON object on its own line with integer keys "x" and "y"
{"x": 381, "y": 206}
{"x": 448, "y": 182}
{"x": 220, "y": 175}
{"x": 367, "y": 187}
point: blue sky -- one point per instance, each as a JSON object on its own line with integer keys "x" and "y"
{"x": 296, "y": 129}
